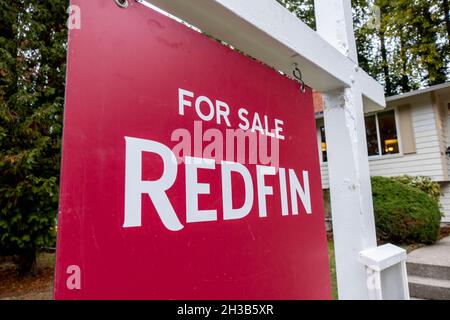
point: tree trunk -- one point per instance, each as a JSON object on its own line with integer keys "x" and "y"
{"x": 27, "y": 263}
{"x": 435, "y": 66}
{"x": 385, "y": 65}
{"x": 404, "y": 80}
{"x": 446, "y": 8}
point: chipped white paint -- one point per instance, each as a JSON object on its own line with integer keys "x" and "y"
{"x": 339, "y": 34}
{"x": 351, "y": 199}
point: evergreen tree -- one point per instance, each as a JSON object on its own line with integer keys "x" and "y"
{"x": 33, "y": 37}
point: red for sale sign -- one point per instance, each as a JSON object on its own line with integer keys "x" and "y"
{"x": 189, "y": 171}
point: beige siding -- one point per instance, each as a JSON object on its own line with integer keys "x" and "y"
{"x": 427, "y": 161}
{"x": 447, "y": 136}
{"x": 324, "y": 173}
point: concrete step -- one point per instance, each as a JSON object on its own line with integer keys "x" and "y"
{"x": 427, "y": 288}
{"x": 428, "y": 270}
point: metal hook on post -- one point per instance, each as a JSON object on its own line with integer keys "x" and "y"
{"x": 298, "y": 75}
{"x": 122, "y": 3}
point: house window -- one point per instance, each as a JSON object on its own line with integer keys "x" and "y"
{"x": 388, "y": 133}
{"x": 381, "y": 134}
{"x": 372, "y": 136}
{"x": 323, "y": 144}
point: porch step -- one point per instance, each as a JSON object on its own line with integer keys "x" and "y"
{"x": 428, "y": 288}
{"x": 428, "y": 270}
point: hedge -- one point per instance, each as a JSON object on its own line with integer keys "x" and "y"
{"x": 404, "y": 214}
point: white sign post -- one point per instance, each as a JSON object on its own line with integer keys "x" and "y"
{"x": 328, "y": 60}
{"x": 348, "y": 165}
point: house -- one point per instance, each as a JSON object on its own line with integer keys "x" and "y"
{"x": 410, "y": 137}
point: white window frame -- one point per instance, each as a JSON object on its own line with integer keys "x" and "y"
{"x": 319, "y": 125}
{"x": 373, "y": 157}
{"x": 380, "y": 154}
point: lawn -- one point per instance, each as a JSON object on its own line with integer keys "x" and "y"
{"x": 332, "y": 269}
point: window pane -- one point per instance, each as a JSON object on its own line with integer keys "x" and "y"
{"x": 324, "y": 144}
{"x": 371, "y": 135}
{"x": 388, "y": 132}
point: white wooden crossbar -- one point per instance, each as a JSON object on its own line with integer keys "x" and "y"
{"x": 270, "y": 33}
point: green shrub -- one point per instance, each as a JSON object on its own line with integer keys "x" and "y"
{"x": 430, "y": 187}
{"x": 404, "y": 214}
